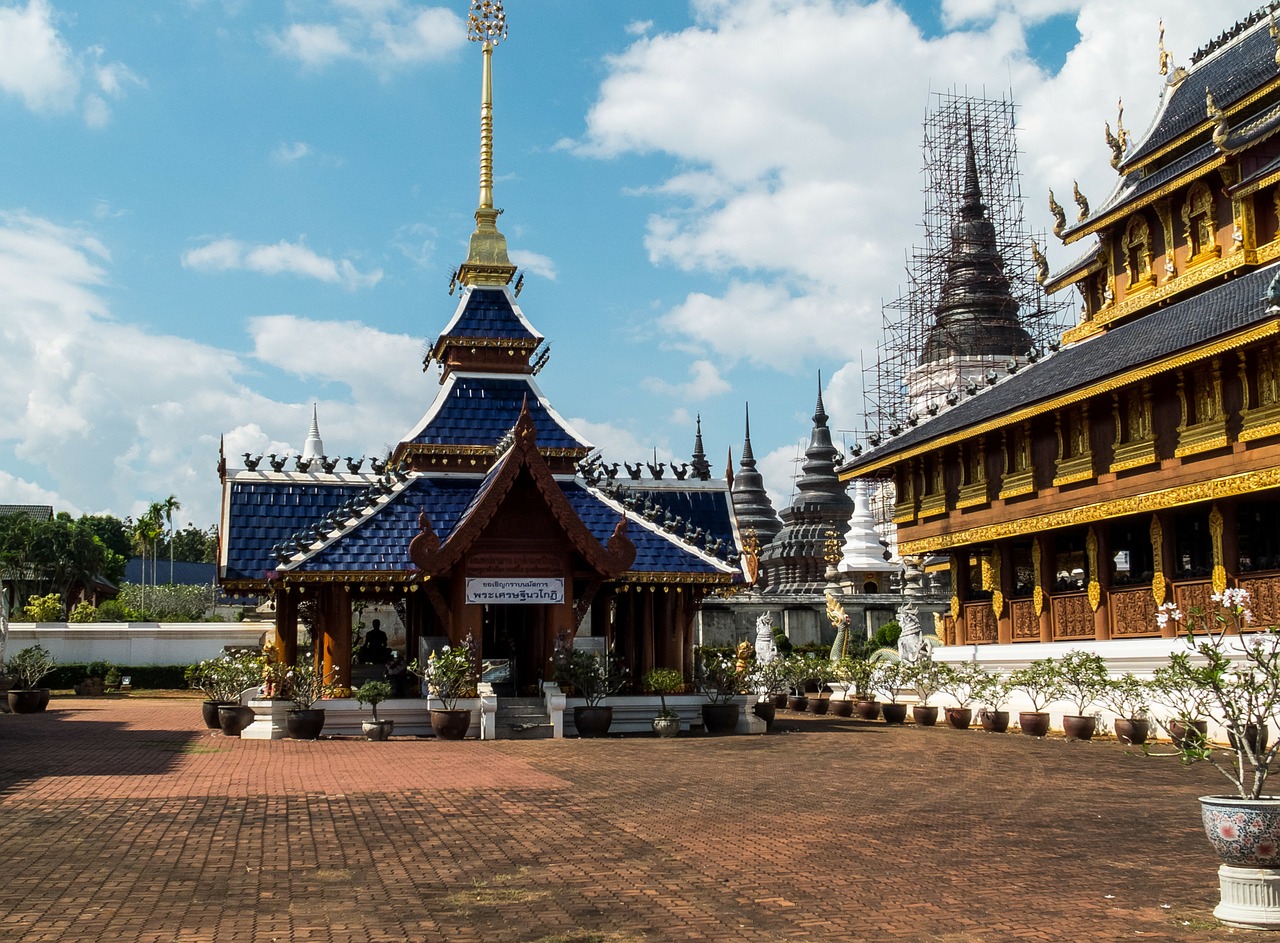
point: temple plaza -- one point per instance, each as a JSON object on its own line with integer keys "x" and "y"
{"x": 127, "y": 821}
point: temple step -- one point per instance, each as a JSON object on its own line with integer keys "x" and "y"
{"x": 522, "y": 718}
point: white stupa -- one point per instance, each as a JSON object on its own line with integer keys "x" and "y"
{"x": 863, "y": 556}
{"x": 313, "y": 450}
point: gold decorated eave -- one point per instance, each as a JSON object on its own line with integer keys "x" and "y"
{"x": 1257, "y": 332}
{"x": 513, "y": 345}
{"x": 1227, "y": 487}
{"x": 637, "y": 581}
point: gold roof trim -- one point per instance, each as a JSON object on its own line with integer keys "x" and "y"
{"x": 1143, "y": 503}
{"x": 1258, "y": 332}
{"x": 1125, "y": 209}
{"x": 1190, "y": 278}
{"x": 1207, "y": 125}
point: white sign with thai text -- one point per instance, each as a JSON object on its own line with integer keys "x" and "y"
{"x": 518, "y": 591}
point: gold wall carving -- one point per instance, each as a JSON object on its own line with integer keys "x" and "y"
{"x": 953, "y": 565}
{"x": 1137, "y": 504}
{"x": 1133, "y": 613}
{"x": 1037, "y": 593}
{"x": 1158, "y": 588}
{"x": 1072, "y": 617}
{"x": 1264, "y": 599}
{"x": 997, "y": 582}
{"x": 980, "y": 623}
{"x": 1091, "y": 551}
{"x": 1215, "y": 534}
{"x": 1026, "y": 621}
{"x": 1194, "y": 596}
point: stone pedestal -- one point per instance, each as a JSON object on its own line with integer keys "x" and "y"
{"x": 268, "y": 720}
{"x": 1250, "y": 897}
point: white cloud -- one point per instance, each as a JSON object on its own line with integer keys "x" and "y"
{"x": 382, "y": 34}
{"x": 222, "y": 255}
{"x": 105, "y": 412}
{"x": 290, "y": 153}
{"x": 800, "y": 188}
{"x": 704, "y": 382}
{"x": 38, "y": 67}
{"x": 534, "y": 263}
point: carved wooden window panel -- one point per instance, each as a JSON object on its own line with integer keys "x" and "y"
{"x": 1136, "y": 249}
{"x": 1198, "y": 218}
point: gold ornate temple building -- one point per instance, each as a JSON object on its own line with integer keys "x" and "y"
{"x": 1140, "y": 462}
{"x": 487, "y": 519}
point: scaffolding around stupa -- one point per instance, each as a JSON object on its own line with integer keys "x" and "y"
{"x": 907, "y": 320}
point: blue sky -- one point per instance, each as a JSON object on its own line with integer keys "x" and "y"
{"x": 215, "y": 212}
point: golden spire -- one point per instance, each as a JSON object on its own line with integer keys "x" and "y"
{"x": 487, "y": 261}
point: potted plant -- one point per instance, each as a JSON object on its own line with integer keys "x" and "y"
{"x": 1084, "y": 680}
{"x": 306, "y": 684}
{"x": 818, "y": 670}
{"x": 94, "y": 683}
{"x": 451, "y": 673}
{"x": 925, "y": 676}
{"x": 664, "y": 681}
{"x": 30, "y": 666}
{"x": 842, "y": 674}
{"x": 796, "y": 672}
{"x": 994, "y": 698}
{"x": 1129, "y": 697}
{"x": 374, "y": 693}
{"x": 963, "y": 682}
{"x": 1240, "y": 675}
{"x": 770, "y": 682}
{"x": 1179, "y": 688}
{"x": 887, "y": 680}
{"x": 593, "y": 676}
{"x": 223, "y": 680}
{"x": 862, "y": 677}
{"x": 1041, "y": 682}
{"x": 724, "y": 678}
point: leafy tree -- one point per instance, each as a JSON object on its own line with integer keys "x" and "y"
{"x": 193, "y": 545}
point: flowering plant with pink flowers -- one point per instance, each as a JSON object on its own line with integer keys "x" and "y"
{"x": 1240, "y": 676}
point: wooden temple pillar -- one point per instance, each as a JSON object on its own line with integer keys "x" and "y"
{"x": 1005, "y": 584}
{"x": 960, "y": 592}
{"x": 1230, "y": 539}
{"x": 1044, "y": 559}
{"x": 1098, "y": 553}
{"x": 287, "y": 626}
{"x": 335, "y": 622}
{"x": 1163, "y": 555}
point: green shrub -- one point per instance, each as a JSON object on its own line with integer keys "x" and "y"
{"x": 84, "y": 611}
{"x": 44, "y": 608}
{"x": 113, "y": 610}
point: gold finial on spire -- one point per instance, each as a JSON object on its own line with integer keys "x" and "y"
{"x": 487, "y": 260}
{"x": 1166, "y": 58}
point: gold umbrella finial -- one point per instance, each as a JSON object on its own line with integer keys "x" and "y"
{"x": 487, "y": 22}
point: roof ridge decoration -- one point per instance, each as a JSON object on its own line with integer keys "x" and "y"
{"x": 301, "y": 546}
{"x": 487, "y": 261}
{"x": 434, "y": 557}
{"x": 1265, "y": 11}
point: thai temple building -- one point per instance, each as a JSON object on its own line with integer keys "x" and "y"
{"x": 1138, "y": 464}
{"x": 492, "y": 517}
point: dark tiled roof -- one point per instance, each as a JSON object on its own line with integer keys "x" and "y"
{"x": 184, "y": 573}
{"x": 380, "y": 543}
{"x": 266, "y": 512}
{"x": 38, "y": 512}
{"x": 1222, "y": 310}
{"x": 655, "y": 552}
{"x": 1135, "y": 185}
{"x": 480, "y": 410}
{"x": 710, "y": 510}
{"x": 1230, "y": 73}
{"x": 489, "y": 313}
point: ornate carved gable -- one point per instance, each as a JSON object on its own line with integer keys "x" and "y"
{"x": 521, "y": 462}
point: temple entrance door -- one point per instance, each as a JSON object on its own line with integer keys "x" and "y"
{"x": 514, "y": 633}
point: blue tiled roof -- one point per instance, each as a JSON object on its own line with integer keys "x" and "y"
{"x": 489, "y": 313}
{"x": 655, "y": 552}
{"x": 480, "y": 410}
{"x": 381, "y": 543}
{"x": 705, "y": 509}
{"x": 267, "y": 512}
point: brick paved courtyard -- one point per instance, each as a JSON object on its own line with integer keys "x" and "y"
{"x": 125, "y": 820}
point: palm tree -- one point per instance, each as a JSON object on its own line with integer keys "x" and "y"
{"x": 167, "y": 507}
{"x": 145, "y": 532}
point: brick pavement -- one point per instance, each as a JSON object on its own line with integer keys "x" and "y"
{"x": 125, "y": 820}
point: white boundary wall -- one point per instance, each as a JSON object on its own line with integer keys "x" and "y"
{"x": 136, "y": 643}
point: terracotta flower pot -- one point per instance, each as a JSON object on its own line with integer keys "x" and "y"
{"x": 894, "y": 713}
{"x": 720, "y": 718}
{"x": 1034, "y": 723}
{"x": 842, "y": 708}
{"x": 233, "y": 718}
{"x": 593, "y": 721}
{"x": 994, "y": 721}
{"x": 924, "y": 715}
{"x": 209, "y": 712}
{"x": 26, "y": 702}
{"x": 766, "y": 712}
{"x": 867, "y": 709}
{"x": 304, "y": 723}
{"x": 1178, "y": 731}
{"x": 450, "y": 724}
{"x": 1079, "y": 727}
{"x": 818, "y": 704}
{"x": 797, "y": 702}
{"x": 960, "y": 717}
{"x": 1133, "y": 730}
